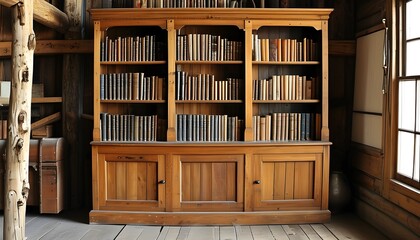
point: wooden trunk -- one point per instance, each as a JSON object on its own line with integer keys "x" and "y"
{"x": 45, "y": 174}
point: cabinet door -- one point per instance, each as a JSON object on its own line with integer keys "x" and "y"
{"x": 287, "y": 181}
{"x": 131, "y": 182}
{"x": 208, "y": 182}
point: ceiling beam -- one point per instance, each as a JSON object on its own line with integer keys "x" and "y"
{"x": 46, "y": 14}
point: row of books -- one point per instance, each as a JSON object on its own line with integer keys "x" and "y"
{"x": 131, "y": 86}
{"x": 137, "y": 48}
{"x": 208, "y": 128}
{"x": 284, "y": 87}
{"x": 205, "y": 87}
{"x": 184, "y": 3}
{"x": 207, "y": 47}
{"x": 119, "y": 127}
{"x": 287, "y": 127}
{"x": 283, "y": 50}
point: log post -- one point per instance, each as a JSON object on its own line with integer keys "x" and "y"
{"x": 72, "y": 99}
{"x": 19, "y": 121}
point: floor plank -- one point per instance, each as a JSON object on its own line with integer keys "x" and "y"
{"x": 261, "y": 233}
{"x": 323, "y": 232}
{"x": 183, "y": 233}
{"x": 294, "y": 232}
{"x": 310, "y": 232}
{"x": 102, "y": 232}
{"x": 130, "y": 232}
{"x": 80, "y": 231}
{"x": 169, "y": 233}
{"x": 278, "y": 232}
{"x": 349, "y": 226}
{"x": 40, "y": 226}
{"x": 227, "y": 233}
{"x": 243, "y": 233}
{"x": 204, "y": 233}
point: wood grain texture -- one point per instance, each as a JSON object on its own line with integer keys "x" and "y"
{"x": 41, "y": 226}
{"x": 45, "y": 13}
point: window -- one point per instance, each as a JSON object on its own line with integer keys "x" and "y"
{"x": 408, "y": 167}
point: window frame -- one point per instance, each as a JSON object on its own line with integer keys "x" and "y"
{"x": 401, "y": 75}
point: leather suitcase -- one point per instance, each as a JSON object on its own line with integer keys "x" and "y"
{"x": 46, "y": 177}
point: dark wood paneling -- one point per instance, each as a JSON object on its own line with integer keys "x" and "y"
{"x": 369, "y": 13}
{"x": 341, "y": 79}
{"x": 5, "y": 25}
{"x": 370, "y": 163}
{"x": 360, "y": 178}
{"x": 395, "y": 222}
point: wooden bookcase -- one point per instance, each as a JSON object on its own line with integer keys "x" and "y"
{"x": 201, "y": 161}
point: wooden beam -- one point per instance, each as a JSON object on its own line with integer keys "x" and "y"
{"x": 46, "y": 14}
{"x": 53, "y": 47}
{"x": 46, "y": 120}
{"x": 342, "y": 47}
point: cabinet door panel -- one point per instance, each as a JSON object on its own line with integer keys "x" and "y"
{"x": 132, "y": 182}
{"x": 211, "y": 182}
{"x": 287, "y": 181}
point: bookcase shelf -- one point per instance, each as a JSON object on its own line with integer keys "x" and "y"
{"x": 132, "y": 62}
{"x": 208, "y": 101}
{"x": 210, "y": 62}
{"x": 287, "y": 101}
{"x": 133, "y": 101}
{"x": 233, "y": 140}
{"x": 285, "y": 63}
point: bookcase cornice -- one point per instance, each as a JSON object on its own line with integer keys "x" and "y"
{"x": 211, "y": 13}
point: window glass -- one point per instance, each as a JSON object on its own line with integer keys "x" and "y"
{"x": 405, "y": 154}
{"x": 413, "y": 19}
{"x": 413, "y": 57}
{"x": 407, "y": 100}
{"x": 416, "y": 159}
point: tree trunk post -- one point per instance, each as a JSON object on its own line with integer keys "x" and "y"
{"x": 72, "y": 108}
{"x": 19, "y": 122}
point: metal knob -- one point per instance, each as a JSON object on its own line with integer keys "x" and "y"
{"x": 257, "y": 182}
{"x": 162, "y": 182}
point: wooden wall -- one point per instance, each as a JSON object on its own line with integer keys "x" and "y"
{"x": 367, "y": 164}
{"x": 341, "y": 80}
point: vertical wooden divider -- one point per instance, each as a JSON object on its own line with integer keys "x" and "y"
{"x": 248, "y": 134}
{"x": 171, "y": 134}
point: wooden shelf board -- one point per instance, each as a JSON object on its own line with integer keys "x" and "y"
{"x": 133, "y": 62}
{"x": 5, "y": 101}
{"x": 47, "y": 100}
{"x": 133, "y": 101}
{"x": 285, "y": 63}
{"x": 211, "y": 144}
{"x": 287, "y": 101}
{"x": 209, "y": 62}
{"x": 208, "y": 101}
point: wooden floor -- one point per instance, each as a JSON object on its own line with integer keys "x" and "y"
{"x": 74, "y": 225}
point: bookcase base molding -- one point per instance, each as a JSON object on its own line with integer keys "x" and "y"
{"x": 206, "y": 218}
{"x": 193, "y": 183}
